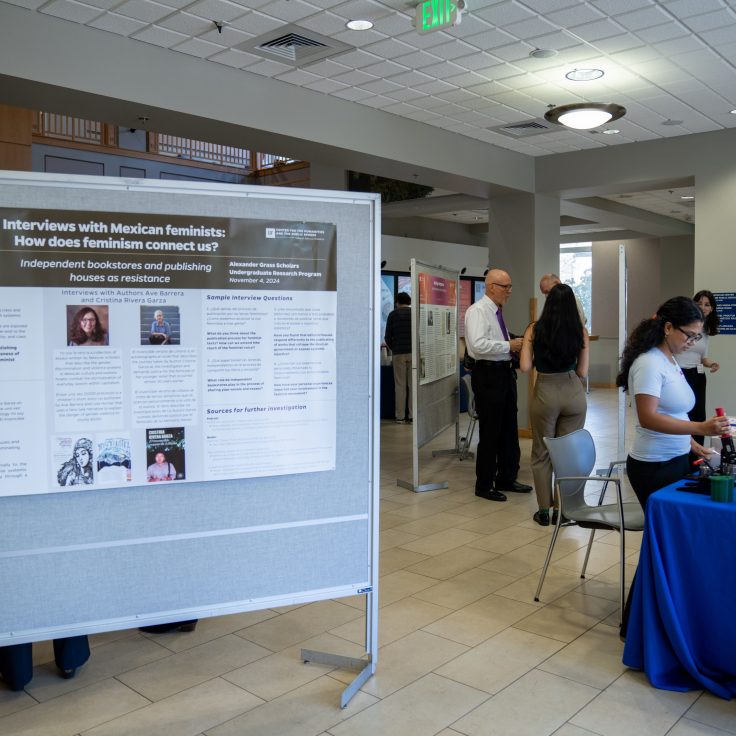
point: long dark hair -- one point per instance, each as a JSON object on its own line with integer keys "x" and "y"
{"x": 712, "y": 321}
{"x": 679, "y": 311}
{"x": 558, "y": 333}
{"x": 78, "y": 335}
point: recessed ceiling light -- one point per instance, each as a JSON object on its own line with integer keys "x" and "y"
{"x": 733, "y": 112}
{"x": 542, "y": 53}
{"x": 611, "y": 131}
{"x": 584, "y": 75}
{"x": 669, "y": 121}
{"x": 687, "y": 196}
{"x": 359, "y": 25}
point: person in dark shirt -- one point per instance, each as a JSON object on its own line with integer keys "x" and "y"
{"x": 398, "y": 339}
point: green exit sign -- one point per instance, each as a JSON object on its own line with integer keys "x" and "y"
{"x": 433, "y": 15}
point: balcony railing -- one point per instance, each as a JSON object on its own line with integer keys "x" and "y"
{"x": 92, "y": 132}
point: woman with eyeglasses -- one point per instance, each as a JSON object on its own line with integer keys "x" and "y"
{"x": 695, "y": 361}
{"x": 663, "y": 398}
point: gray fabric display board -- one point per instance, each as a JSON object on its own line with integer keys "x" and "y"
{"x": 268, "y": 291}
{"x": 435, "y": 377}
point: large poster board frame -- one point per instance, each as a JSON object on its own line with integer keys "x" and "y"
{"x": 89, "y": 560}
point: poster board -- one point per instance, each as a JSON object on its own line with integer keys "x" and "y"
{"x": 287, "y": 520}
{"x": 435, "y": 371}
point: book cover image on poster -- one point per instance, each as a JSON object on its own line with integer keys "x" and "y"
{"x": 113, "y": 460}
{"x": 160, "y": 325}
{"x": 87, "y": 325}
{"x": 165, "y": 454}
{"x": 73, "y": 461}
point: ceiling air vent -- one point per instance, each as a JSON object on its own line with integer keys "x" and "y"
{"x": 293, "y": 45}
{"x": 526, "y": 128}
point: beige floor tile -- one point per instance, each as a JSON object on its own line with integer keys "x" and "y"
{"x": 11, "y": 702}
{"x": 408, "y": 659}
{"x": 435, "y": 544}
{"x": 602, "y": 557}
{"x": 520, "y": 562}
{"x": 74, "y": 712}
{"x": 309, "y": 710}
{"x": 392, "y": 538}
{"x": 556, "y": 583}
{"x": 432, "y": 524}
{"x": 713, "y": 711}
{"x": 396, "y": 621}
{"x": 563, "y": 624}
{"x": 464, "y": 588}
{"x": 599, "y": 608}
{"x": 491, "y": 523}
{"x": 510, "y": 539}
{"x": 546, "y": 702}
{"x": 401, "y": 584}
{"x": 686, "y": 727}
{"x": 398, "y": 558}
{"x": 272, "y": 676}
{"x": 656, "y": 711}
{"x": 185, "y": 714}
{"x": 424, "y": 707}
{"x": 295, "y": 626}
{"x": 211, "y": 628}
{"x": 389, "y": 520}
{"x": 480, "y": 620}
{"x": 421, "y": 505}
{"x": 192, "y": 667}
{"x": 105, "y": 661}
{"x": 451, "y": 563}
{"x": 497, "y": 662}
{"x": 569, "y": 730}
{"x": 593, "y": 659}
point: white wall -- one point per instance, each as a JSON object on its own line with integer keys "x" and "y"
{"x": 398, "y": 252}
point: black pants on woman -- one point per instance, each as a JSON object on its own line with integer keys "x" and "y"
{"x": 645, "y": 479}
{"x": 16, "y": 660}
{"x": 696, "y": 381}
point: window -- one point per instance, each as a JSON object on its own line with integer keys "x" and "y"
{"x": 576, "y": 269}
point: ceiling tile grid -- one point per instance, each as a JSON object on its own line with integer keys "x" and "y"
{"x": 665, "y": 60}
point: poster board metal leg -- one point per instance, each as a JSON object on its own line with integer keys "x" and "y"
{"x": 366, "y": 664}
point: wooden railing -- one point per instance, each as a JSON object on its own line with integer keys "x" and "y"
{"x": 210, "y": 153}
{"x": 91, "y": 132}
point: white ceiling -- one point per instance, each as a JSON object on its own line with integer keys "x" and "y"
{"x": 671, "y": 63}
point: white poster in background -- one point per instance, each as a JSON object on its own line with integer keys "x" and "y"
{"x": 437, "y": 327}
{"x": 220, "y": 365}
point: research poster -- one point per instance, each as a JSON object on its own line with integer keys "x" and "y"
{"x": 138, "y": 349}
{"x": 437, "y": 327}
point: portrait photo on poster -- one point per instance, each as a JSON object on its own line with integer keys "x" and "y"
{"x": 165, "y": 454}
{"x": 160, "y": 325}
{"x": 87, "y": 325}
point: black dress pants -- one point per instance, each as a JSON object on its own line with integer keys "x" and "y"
{"x": 498, "y": 453}
{"x": 16, "y": 660}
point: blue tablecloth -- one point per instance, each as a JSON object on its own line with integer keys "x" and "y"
{"x": 682, "y": 629}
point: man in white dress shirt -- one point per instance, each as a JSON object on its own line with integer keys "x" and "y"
{"x": 494, "y": 385}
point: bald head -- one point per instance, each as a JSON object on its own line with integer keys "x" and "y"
{"x": 498, "y": 286}
{"x": 548, "y": 281}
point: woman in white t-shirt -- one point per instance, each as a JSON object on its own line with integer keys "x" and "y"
{"x": 663, "y": 398}
{"x": 695, "y": 361}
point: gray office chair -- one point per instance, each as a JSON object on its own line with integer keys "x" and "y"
{"x": 573, "y": 460}
{"x": 464, "y": 449}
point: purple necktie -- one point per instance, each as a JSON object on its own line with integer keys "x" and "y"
{"x": 499, "y": 314}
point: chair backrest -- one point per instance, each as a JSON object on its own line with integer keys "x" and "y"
{"x": 469, "y": 395}
{"x": 572, "y": 455}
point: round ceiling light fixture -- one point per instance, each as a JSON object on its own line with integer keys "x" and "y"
{"x": 542, "y": 53}
{"x": 584, "y": 75}
{"x": 585, "y": 115}
{"x": 359, "y": 25}
{"x": 611, "y": 131}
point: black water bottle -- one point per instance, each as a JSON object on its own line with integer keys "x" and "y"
{"x": 728, "y": 451}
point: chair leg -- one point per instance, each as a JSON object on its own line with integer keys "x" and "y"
{"x": 546, "y": 562}
{"x": 587, "y": 553}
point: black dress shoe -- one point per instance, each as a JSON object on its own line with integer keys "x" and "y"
{"x": 491, "y": 495}
{"x": 173, "y": 626}
{"x": 515, "y": 487}
{"x": 541, "y": 517}
{"x": 68, "y": 674}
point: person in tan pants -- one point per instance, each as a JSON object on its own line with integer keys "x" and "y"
{"x": 557, "y": 346}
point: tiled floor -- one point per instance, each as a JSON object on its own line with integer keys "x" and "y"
{"x": 464, "y": 648}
